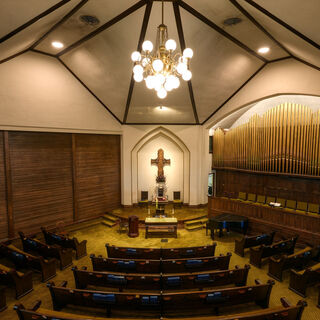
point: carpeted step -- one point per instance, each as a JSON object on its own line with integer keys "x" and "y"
{"x": 108, "y": 223}
{"x": 194, "y": 227}
{"x": 196, "y": 221}
{"x": 110, "y": 217}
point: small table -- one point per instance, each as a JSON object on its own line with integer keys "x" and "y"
{"x": 161, "y": 227}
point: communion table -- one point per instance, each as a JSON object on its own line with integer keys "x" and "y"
{"x": 161, "y": 227}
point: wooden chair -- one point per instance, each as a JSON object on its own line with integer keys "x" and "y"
{"x": 177, "y": 199}
{"x": 144, "y": 198}
{"x": 123, "y": 226}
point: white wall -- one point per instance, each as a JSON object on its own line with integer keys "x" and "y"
{"x": 37, "y": 93}
{"x": 147, "y": 173}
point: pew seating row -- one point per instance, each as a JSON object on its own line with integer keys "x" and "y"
{"x": 160, "y": 253}
{"x": 220, "y": 262}
{"x": 285, "y": 311}
{"x": 122, "y": 281}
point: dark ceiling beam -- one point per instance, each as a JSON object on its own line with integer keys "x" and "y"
{"x": 13, "y": 56}
{"x": 306, "y": 63}
{"x": 42, "y": 52}
{"x": 33, "y": 20}
{"x": 285, "y": 25}
{"x": 59, "y": 23}
{"x": 220, "y": 30}
{"x": 139, "y": 47}
{"x": 226, "y": 101}
{"x": 90, "y": 91}
{"x": 259, "y": 26}
{"x": 183, "y": 46}
{"x": 280, "y": 59}
{"x": 105, "y": 26}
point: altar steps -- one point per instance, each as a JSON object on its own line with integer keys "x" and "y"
{"x": 109, "y": 220}
{"x": 196, "y": 224}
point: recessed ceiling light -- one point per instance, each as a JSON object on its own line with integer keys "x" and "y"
{"x": 57, "y": 44}
{"x": 264, "y": 50}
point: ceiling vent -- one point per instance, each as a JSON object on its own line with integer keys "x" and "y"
{"x": 231, "y": 21}
{"x": 90, "y": 20}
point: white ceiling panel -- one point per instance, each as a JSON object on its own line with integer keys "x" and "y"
{"x": 74, "y": 29}
{"x": 103, "y": 63}
{"x": 28, "y": 36}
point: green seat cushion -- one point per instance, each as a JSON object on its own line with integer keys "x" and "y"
{"x": 270, "y": 199}
{"x": 313, "y": 207}
{"x": 252, "y": 197}
{"x": 289, "y": 210}
{"x": 291, "y": 204}
{"x": 282, "y": 201}
{"x": 261, "y": 198}
{"x": 302, "y": 206}
{"x": 143, "y": 201}
{"x": 242, "y": 196}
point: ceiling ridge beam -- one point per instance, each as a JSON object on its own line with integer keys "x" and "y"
{"x": 284, "y": 24}
{"x": 33, "y": 20}
{"x": 234, "y": 93}
{"x": 42, "y": 52}
{"x": 139, "y": 47}
{"x": 90, "y": 91}
{"x": 13, "y": 56}
{"x": 306, "y": 63}
{"x": 259, "y": 26}
{"x": 60, "y": 22}
{"x": 183, "y": 46}
{"x": 211, "y": 24}
{"x": 105, "y": 26}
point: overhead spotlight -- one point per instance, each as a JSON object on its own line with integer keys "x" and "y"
{"x": 264, "y": 50}
{"x": 57, "y": 44}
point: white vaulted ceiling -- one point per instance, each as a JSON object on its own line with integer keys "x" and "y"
{"x": 225, "y": 56}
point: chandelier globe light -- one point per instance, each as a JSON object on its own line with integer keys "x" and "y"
{"x": 162, "y": 68}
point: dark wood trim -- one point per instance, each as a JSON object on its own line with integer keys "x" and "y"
{"x": 105, "y": 26}
{"x": 44, "y": 53}
{"x": 8, "y": 179}
{"x": 285, "y": 25}
{"x": 139, "y": 47}
{"x": 287, "y": 175}
{"x": 183, "y": 46}
{"x": 33, "y": 20}
{"x": 74, "y": 179}
{"x": 280, "y": 59}
{"x": 259, "y": 26}
{"x": 220, "y": 30}
{"x": 59, "y": 23}
{"x": 306, "y": 63}
{"x": 13, "y": 56}
{"x": 244, "y": 84}
{"x": 89, "y": 90}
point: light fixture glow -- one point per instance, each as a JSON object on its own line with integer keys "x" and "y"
{"x": 264, "y": 50}
{"x": 57, "y": 44}
{"x": 136, "y": 56}
{"x": 162, "y": 93}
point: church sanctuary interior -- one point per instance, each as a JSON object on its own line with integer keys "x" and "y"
{"x": 159, "y": 159}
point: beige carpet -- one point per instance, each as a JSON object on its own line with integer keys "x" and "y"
{"x": 98, "y": 235}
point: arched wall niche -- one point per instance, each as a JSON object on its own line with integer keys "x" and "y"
{"x": 171, "y": 142}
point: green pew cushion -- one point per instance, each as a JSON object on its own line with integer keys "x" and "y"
{"x": 291, "y": 204}
{"x": 261, "y": 198}
{"x": 270, "y": 199}
{"x": 282, "y": 201}
{"x": 302, "y": 206}
{"x": 252, "y": 197}
{"x": 242, "y": 196}
{"x": 313, "y": 207}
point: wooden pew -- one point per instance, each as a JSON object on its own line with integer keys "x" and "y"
{"x": 84, "y": 278}
{"x": 22, "y": 281}
{"x": 24, "y": 260}
{"x": 32, "y": 245}
{"x": 281, "y": 247}
{"x": 157, "y": 253}
{"x": 65, "y": 242}
{"x": 3, "y": 300}
{"x": 252, "y": 241}
{"x": 125, "y": 265}
{"x": 161, "y": 304}
{"x": 298, "y": 260}
{"x": 194, "y": 265}
{"x": 284, "y": 312}
{"x": 300, "y": 280}
{"x": 318, "y": 305}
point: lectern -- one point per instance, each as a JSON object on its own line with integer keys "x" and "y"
{"x": 133, "y": 226}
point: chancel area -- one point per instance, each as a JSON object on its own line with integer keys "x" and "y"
{"x": 159, "y": 159}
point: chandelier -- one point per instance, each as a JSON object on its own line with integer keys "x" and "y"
{"x": 162, "y": 68}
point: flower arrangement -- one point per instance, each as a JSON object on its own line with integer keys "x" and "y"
{"x": 160, "y": 179}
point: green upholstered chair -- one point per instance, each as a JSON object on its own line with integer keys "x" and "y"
{"x": 291, "y": 205}
{"x": 313, "y": 208}
{"x": 261, "y": 199}
{"x": 269, "y": 199}
{"x": 242, "y": 196}
{"x": 302, "y": 207}
{"x": 282, "y": 201}
{"x": 144, "y": 198}
{"x": 177, "y": 198}
{"x": 252, "y": 197}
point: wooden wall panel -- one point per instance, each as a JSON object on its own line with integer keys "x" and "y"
{"x": 97, "y": 174}
{"x": 41, "y": 165}
{"x": 3, "y": 202}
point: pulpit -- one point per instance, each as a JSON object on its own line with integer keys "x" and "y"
{"x": 133, "y": 227}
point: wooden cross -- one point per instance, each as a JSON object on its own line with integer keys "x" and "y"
{"x": 160, "y": 162}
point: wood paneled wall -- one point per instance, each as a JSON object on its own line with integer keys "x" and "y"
{"x": 299, "y": 188}
{"x": 47, "y": 178}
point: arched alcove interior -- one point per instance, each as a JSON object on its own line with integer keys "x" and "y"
{"x": 144, "y": 174}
